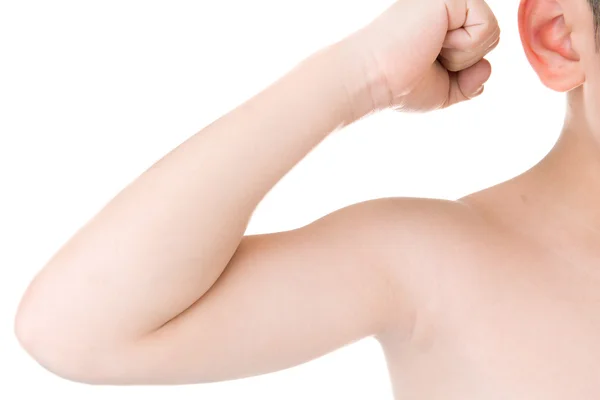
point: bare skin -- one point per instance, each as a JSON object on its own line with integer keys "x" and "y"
{"x": 492, "y": 296}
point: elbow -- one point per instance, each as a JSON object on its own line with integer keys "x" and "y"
{"x": 54, "y": 349}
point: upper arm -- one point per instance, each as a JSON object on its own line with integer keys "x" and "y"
{"x": 285, "y": 298}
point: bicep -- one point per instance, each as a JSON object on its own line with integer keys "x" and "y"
{"x": 284, "y": 299}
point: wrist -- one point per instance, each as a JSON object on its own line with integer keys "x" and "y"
{"x": 365, "y": 84}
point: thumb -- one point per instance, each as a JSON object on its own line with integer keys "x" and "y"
{"x": 468, "y": 83}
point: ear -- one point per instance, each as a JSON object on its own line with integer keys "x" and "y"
{"x": 546, "y": 39}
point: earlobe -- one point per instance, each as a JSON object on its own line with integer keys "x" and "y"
{"x": 547, "y": 43}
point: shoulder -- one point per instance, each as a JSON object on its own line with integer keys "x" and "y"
{"x": 421, "y": 235}
{"x": 404, "y": 221}
{"x": 425, "y": 246}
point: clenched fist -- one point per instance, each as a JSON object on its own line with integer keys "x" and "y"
{"x": 422, "y": 55}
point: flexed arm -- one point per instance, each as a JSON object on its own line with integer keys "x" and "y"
{"x": 162, "y": 286}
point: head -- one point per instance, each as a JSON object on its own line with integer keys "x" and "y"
{"x": 561, "y": 39}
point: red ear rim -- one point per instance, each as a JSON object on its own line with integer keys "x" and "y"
{"x": 563, "y": 75}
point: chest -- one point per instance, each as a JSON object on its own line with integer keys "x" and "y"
{"x": 506, "y": 332}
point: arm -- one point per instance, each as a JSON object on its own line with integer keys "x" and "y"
{"x": 162, "y": 286}
{"x": 126, "y": 278}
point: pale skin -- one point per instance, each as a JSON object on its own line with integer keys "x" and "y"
{"x": 492, "y": 296}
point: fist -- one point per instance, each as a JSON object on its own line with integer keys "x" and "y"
{"x": 422, "y": 55}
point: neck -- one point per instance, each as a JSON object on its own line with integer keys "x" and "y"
{"x": 569, "y": 176}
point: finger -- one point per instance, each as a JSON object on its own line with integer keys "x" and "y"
{"x": 456, "y": 61}
{"x": 470, "y": 23}
{"x": 473, "y": 33}
{"x": 468, "y": 83}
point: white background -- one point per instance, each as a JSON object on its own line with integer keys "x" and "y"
{"x": 93, "y": 92}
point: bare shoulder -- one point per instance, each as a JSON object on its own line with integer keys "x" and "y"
{"x": 417, "y": 233}
{"x": 428, "y": 247}
{"x": 404, "y": 225}
{"x": 421, "y": 214}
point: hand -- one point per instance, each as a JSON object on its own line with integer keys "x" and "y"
{"x": 423, "y": 55}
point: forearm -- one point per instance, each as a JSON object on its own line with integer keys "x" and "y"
{"x": 165, "y": 239}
